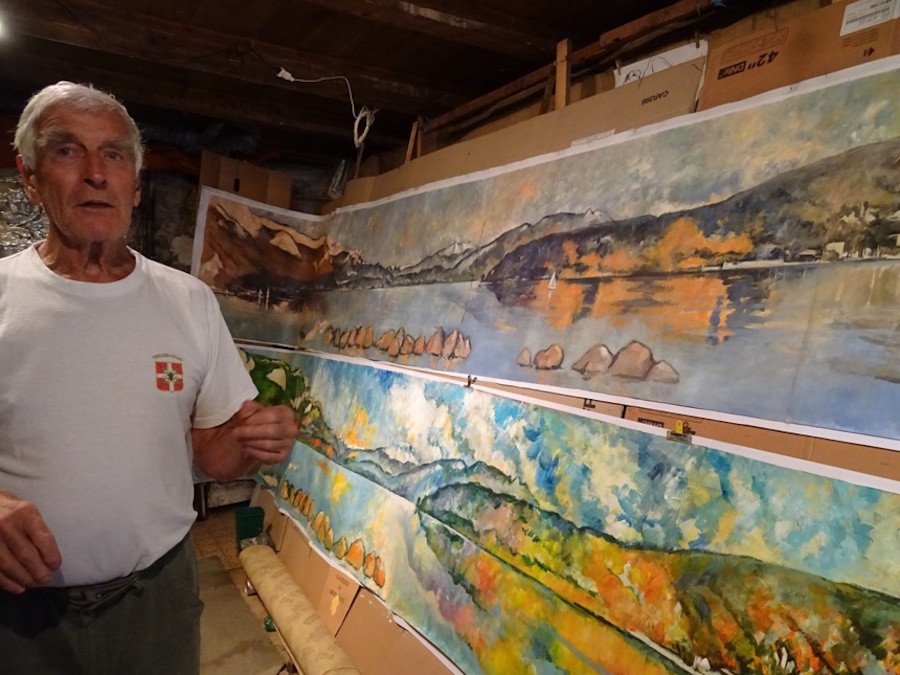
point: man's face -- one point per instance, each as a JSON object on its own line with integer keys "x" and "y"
{"x": 84, "y": 176}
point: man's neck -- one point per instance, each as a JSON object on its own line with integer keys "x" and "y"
{"x": 98, "y": 262}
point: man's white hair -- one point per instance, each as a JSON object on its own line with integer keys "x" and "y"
{"x": 83, "y": 98}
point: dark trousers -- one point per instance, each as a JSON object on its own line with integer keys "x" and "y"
{"x": 145, "y": 624}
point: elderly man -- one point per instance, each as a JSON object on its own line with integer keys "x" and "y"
{"x": 117, "y": 373}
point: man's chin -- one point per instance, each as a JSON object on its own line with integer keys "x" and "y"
{"x": 96, "y": 233}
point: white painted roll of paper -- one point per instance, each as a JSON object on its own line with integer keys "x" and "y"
{"x": 311, "y": 645}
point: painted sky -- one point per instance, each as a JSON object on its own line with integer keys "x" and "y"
{"x": 700, "y": 161}
{"x": 638, "y": 487}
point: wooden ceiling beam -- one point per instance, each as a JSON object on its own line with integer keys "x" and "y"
{"x": 681, "y": 10}
{"x": 28, "y": 68}
{"x": 500, "y": 35}
{"x": 91, "y": 26}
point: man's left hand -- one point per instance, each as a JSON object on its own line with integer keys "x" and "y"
{"x": 254, "y": 434}
{"x": 265, "y": 433}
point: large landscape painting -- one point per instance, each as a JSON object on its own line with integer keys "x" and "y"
{"x": 519, "y": 539}
{"x": 743, "y": 262}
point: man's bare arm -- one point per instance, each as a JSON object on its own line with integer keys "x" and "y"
{"x": 255, "y": 434}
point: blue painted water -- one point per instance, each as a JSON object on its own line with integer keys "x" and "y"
{"x": 813, "y": 345}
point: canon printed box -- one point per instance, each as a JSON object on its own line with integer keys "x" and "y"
{"x": 839, "y": 36}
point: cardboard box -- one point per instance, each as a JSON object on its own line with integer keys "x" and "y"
{"x": 861, "y": 458}
{"x": 850, "y": 456}
{"x": 246, "y": 180}
{"x": 361, "y": 623}
{"x": 380, "y": 646}
{"x": 655, "y": 98}
{"x": 577, "y": 402}
{"x": 782, "y": 443}
{"x": 839, "y": 36}
{"x": 306, "y": 566}
{"x": 337, "y": 595}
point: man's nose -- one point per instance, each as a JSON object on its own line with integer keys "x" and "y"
{"x": 94, "y": 170}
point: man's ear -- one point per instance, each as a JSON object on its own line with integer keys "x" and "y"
{"x": 137, "y": 192}
{"x": 29, "y": 179}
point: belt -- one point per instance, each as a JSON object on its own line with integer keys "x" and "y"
{"x": 94, "y": 598}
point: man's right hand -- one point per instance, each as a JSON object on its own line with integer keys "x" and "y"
{"x": 28, "y": 551}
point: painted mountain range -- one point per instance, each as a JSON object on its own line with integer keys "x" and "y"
{"x": 842, "y": 206}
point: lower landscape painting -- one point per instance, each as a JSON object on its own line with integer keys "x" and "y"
{"x": 522, "y": 539}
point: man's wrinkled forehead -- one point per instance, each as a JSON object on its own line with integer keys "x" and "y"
{"x": 55, "y": 128}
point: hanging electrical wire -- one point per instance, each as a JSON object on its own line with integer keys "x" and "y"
{"x": 364, "y": 115}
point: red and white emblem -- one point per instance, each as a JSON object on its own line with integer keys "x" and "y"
{"x": 169, "y": 375}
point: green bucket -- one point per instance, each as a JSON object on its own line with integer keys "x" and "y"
{"x": 248, "y": 522}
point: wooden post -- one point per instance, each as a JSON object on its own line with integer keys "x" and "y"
{"x": 414, "y": 147}
{"x": 563, "y": 73}
{"x": 548, "y": 96}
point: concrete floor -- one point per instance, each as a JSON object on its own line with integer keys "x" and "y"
{"x": 214, "y": 537}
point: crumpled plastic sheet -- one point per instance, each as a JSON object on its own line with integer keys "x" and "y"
{"x": 21, "y": 222}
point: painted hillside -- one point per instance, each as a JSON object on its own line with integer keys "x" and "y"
{"x": 682, "y": 608}
{"x": 846, "y": 205}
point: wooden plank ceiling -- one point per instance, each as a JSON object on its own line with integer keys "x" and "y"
{"x": 203, "y": 73}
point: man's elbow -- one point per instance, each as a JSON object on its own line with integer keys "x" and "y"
{"x": 214, "y": 461}
{"x": 219, "y": 474}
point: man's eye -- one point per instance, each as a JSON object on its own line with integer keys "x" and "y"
{"x": 67, "y": 151}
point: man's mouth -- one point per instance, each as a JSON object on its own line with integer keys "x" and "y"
{"x": 95, "y": 204}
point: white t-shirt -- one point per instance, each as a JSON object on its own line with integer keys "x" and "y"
{"x": 100, "y": 384}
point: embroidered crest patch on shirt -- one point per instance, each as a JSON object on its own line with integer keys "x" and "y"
{"x": 169, "y": 372}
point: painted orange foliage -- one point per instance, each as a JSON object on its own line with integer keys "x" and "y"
{"x": 684, "y": 247}
{"x": 581, "y": 638}
{"x": 619, "y": 262}
{"x": 593, "y": 261}
{"x": 486, "y": 580}
{"x": 570, "y": 249}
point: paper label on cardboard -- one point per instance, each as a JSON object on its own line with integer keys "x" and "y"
{"x": 866, "y": 13}
{"x": 337, "y": 596}
{"x": 652, "y": 423}
{"x": 639, "y": 69}
{"x": 753, "y": 47}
